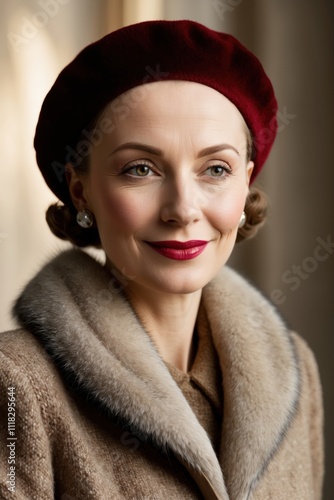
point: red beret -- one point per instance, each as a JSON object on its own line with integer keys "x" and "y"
{"x": 144, "y": 53}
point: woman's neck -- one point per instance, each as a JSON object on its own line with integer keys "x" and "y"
{"x": 170, "y": 321}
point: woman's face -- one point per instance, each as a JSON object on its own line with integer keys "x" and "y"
{"x": 168, "y": 185}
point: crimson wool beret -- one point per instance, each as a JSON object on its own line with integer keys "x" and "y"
{"x": 143, "y": 53}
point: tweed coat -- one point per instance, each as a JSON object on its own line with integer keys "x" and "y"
{"x": 99, "y": 416}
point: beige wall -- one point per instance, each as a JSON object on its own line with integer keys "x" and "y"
{"x": 294, "y": 40}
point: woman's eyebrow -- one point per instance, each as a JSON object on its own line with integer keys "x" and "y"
{"x": 158, "y": 152}
{"x": 137, "y": 145}
{"x": 214, "y": 149}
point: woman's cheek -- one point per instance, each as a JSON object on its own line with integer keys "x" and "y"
{"x": 119, "y": 208}
{"x": 225, "y": 212}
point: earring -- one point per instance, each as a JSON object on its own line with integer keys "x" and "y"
{"x": 85, "y": 218}
{"x": 242, "y": 221}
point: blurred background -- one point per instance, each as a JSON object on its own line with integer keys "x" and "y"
{"x": 292, "y": 258}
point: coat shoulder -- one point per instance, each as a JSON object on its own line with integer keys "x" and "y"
{"x": 21, "y": 346}
{"x": 310, "y": 375}
{"x": 25, "y": 361}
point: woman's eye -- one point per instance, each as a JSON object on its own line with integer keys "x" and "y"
{"x": 140, "y": 170}
{"x": 218, "y": 171}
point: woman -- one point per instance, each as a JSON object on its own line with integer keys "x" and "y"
{"x": 161, "y": 374}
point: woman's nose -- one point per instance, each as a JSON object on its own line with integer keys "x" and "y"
{"x": 181, "y": 203}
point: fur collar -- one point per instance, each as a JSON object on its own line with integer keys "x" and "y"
{"x": 79, "y": 312}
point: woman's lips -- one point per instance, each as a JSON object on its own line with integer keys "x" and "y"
{"x": 179, "y": 250}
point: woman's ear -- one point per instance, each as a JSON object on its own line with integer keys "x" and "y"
{"x": 249, "y": 171}
{"x": 76, "y": 187}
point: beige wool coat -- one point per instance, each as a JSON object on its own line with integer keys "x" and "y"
{"x": 99, "y": 416}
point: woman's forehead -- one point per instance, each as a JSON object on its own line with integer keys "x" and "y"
{"x": 189, "y": 97}
{"x": 172, "y": 105}
{"x": 173, "y": 114}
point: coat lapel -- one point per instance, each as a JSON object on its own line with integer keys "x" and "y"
{"x": 89, "y": 328}
{"x": 79, "y": 312}
{"x": 260, "y": 379}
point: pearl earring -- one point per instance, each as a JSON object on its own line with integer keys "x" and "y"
{"x": 242, "y": 221}
{"x": 85, "y": 218}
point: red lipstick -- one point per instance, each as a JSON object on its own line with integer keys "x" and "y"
{"x": 179, "y": 250}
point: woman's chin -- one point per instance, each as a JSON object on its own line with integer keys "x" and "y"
{"x": 179, "y": 283}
